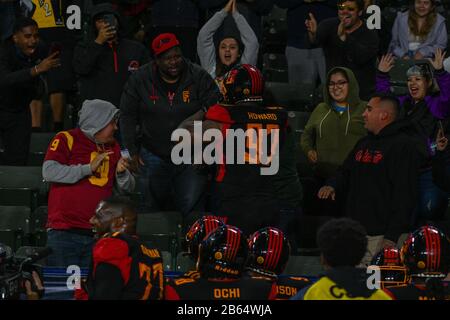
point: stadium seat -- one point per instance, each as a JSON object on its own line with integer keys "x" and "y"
{"x": 275, "y": 68}
{"x": 167, "y": 260}
{"x": 14, "y": 225}
{"x": 184, "y": 263}
{"x": 26, "y": 251}
{"x": 303, "y": 266}
{"x": 19, "y": 197}
{"x": 161, "y": 229}
{"x": 38, "y": 230}
{"x": 12, "y": 177}
{"x": 275, "y": 31}
{"x": 398, "y": 72}
{"x": 291, "y": 97}
{"x": 38, "y": 147}
{"x": 297, "y": 121}
{"x": 399, "y": 90}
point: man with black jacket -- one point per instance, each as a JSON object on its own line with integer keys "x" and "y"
{"x": 105, "y": 62}
{"x": 379, "y": 177}
{"x": 20, "y": 67}
{"x": 157, "y": 98}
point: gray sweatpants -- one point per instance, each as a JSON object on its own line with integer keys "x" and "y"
{"x": 305, "y": 65}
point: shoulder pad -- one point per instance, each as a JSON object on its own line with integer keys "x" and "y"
{"x": 110, "y": 249}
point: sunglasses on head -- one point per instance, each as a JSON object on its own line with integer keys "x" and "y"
{"x": 346, "y": 7}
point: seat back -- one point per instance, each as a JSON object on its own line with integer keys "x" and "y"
{"x": 14, "y": 225}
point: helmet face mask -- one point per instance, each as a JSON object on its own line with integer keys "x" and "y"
{"x": 243, "y": 83}
{"x": 392, "y": 271}
{"x": 269, "y": 251}
{"x": 223, "y": 253}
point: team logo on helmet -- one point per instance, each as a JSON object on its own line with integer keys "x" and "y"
{"x": 218, "y": 255}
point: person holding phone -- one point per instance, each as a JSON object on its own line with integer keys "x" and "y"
{"x": 21, "y": 65}
{"x": 83, "y": 166}
{"x": 427, "y": 102}
{"x": 105, "y": 60}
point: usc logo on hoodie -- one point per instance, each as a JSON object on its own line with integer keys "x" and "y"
{"x": 367, "y": 156}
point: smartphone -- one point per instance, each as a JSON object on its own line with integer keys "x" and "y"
{"x": 111, "y": 20}
{"x": 441, "y": 127}
{"x": 125, "y": 154}
{"x": 55, "y": 47}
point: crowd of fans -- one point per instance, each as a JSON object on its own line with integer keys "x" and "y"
{"x": 138, "y": 70}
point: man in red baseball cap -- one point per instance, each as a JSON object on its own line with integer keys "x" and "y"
{"x": 157, "y": 98}
{"x": 168, "y": 57}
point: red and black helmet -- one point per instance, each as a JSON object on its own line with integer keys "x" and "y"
{"x": 426, "y": 253}
{"x": 392, "y": 270}
{"x": 242, "y": 83}
{"x": 198, "y": 231}
{"x": 269, "y": 251}
{"x": 223, "y": 253}
{"x": 388, "y": 256}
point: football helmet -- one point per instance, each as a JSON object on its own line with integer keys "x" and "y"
{"x": 223, "y": 253}
{"x": 269, "y": 251}
{"x": 243, "y": 83}
{"x": 426, "y": 253}
{"x": 198, "y": 231}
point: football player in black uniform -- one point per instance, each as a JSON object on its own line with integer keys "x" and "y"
{"x": 195, "y": 235}
{"x": 426, "y": 254}
{"x": 245, "y": 184}
{"x": 221, "y": 260}
{"x": 269, "y": 252}
{"x": 123, "y": 267}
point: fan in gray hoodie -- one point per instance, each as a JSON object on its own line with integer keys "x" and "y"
{"x": 94, "y": 116}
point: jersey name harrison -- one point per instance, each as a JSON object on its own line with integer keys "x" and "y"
{"x": 256, "y": 145}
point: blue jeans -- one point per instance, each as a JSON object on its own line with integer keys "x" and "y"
{"x": 161, "y": 181}
{"x": 7, "y": 21}
{"x": 69, "y": 249}
{"x": 432, "y": 200}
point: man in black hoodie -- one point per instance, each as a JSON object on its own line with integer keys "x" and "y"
{"x": 105, "y": 62}
{"x": 379, "y": 177}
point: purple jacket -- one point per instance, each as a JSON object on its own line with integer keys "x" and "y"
{"x": 439, "y": 105}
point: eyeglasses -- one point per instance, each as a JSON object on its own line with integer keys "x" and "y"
{"x": 338, "y": 84}
{"x": 344, "y": 7}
